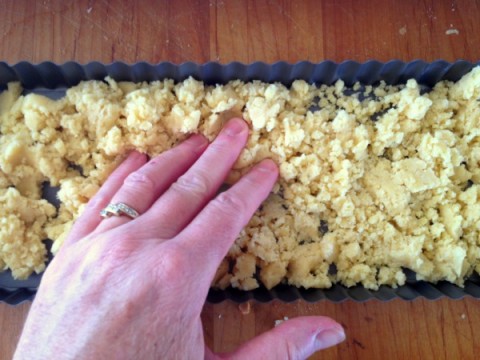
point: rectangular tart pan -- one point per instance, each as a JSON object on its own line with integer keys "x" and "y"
{"x": 52, "y": 80}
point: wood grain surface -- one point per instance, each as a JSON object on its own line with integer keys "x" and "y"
{"x": 224, "y": 31}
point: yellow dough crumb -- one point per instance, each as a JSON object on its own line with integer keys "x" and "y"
{"x": 372, "y": 179}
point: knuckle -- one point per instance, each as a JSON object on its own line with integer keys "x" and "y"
{"x": 230, "y": 204}
{"x": 139, "y": 182}
{"x": 174, "y": 262}
{"x": 122, "y": 248}
{"x": 113, "y": 255}
{"x": 196, "y": 184}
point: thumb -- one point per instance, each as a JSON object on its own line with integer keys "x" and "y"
{"x": 297, "y": 338}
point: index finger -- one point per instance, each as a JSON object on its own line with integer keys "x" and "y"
{"x": 213, "y": 231}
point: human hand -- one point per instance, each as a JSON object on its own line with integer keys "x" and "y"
{"x": 134, "y": 289}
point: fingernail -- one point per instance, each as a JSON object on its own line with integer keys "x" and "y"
{"x": 135, "y": 155}
{"x": 235, "y": 127}
{"x": 267, "y": 166}
{"x": 330, "y": 337}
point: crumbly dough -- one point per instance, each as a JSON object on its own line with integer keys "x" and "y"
{"x": 373, "y": 179}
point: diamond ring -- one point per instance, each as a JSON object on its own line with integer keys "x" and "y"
{"x": 118, "y": 210}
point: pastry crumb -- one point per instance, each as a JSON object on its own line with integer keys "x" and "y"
{"x": 452, "y": 32}
{"x": 278, "y": 322}
{"x": 245, "y": 308}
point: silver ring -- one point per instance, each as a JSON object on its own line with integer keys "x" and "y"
{"x": 119, "y": 209}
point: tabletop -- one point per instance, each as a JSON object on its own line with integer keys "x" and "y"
{"x": 267, "y": 30}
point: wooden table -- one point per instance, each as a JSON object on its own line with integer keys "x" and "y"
{"x": 267, "y": 30}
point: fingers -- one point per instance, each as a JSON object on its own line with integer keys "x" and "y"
{"x": 212, "y": 232}
{"x": 296, "y": 338}
{"x": 142, "y": 187}
{"x": 186, "y": 197}
{"x": 90, "y": 218}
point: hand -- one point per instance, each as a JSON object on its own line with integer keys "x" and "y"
{"x": 134, "y": 289}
